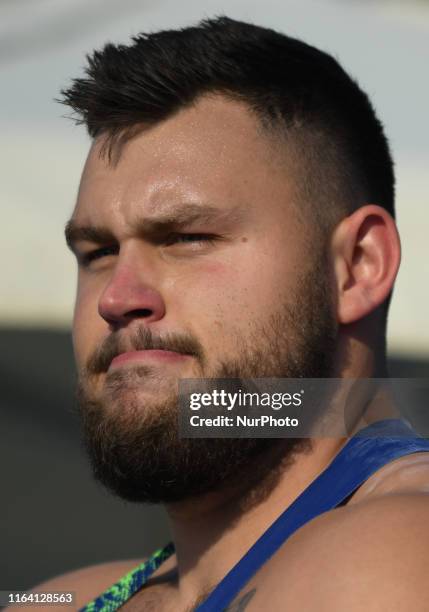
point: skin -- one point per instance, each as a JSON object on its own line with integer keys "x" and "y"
{"x": 212, "y": 291}
{"x": 213, "y": 154}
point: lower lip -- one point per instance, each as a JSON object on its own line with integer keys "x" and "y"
{"x": 137, "y": 356}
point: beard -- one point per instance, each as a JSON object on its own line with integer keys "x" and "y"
{"x": 130, "y": 429}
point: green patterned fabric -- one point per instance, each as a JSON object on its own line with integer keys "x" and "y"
{"x": 121, "y": 591}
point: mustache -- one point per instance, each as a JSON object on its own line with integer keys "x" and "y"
{"x": 142, "y": 339}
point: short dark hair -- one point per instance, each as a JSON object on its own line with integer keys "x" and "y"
{"x": 294, "y": 89}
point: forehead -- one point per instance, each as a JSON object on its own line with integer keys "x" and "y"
{"x": 214, "y": 151}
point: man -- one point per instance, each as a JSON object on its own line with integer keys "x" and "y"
{"x": 235, "y": 219}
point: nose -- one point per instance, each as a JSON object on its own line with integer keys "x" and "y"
{"x": 127, "y": 297}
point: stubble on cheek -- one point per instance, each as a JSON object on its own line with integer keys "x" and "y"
{"x": 89, "y": 328}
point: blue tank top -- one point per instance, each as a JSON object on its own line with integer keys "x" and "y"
{"x": 366, "y": 452}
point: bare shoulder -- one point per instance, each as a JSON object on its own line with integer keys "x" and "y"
{"x": 409, "y": 474}
{"x": 371, "y": 555}
{"x": 86, "y": 583}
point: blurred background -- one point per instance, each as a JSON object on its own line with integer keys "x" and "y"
{"x": 53, "y": 518}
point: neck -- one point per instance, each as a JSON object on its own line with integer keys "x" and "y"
{"x": 212, "y": 532}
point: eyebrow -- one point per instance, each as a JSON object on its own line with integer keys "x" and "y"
{"x": 75, "y": 233}
{"x": 172, "y": 219}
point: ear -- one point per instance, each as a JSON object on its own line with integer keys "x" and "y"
{"x": 366, "y": 254}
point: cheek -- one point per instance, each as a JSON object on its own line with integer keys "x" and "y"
{"x": 231, "y": 295}
{"x": 218, "y": 285}
{"x": 86, "y": 322}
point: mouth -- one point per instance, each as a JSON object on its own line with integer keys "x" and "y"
{"x": 153, "y": 355}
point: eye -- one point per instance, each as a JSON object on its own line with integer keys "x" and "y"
{"x": 189, "y": 239}
{"x": 86, "y": 258}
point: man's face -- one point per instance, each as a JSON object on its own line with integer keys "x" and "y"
{"x": 201, "y": 255}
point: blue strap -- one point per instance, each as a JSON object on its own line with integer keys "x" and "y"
{"x": 369, "y": 450}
